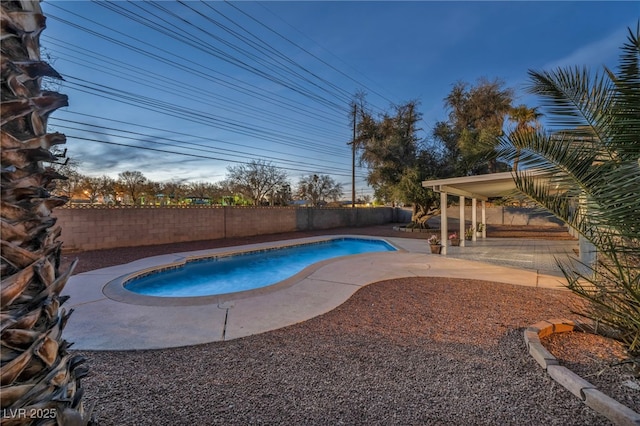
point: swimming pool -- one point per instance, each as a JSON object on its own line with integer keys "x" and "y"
{"x": 225, "y": 274}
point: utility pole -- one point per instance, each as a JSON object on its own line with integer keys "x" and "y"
{"x": 353, "y": 158}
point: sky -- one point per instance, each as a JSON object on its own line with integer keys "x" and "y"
{"x": 182, "y": 90}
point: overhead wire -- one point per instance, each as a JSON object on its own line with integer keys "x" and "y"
{"x": 155, "y": 104}
{"x": 129, "y": 72}
{"x": 208, "y": 157}
{"x": 153, "y": 139}
{"x": 207, "y": 48}
{"x": 196, "y": 67}
{"x": 360, "y": 84}
{"x": 112, "y": 39}
{"x": 173, "y": 132}
{"x": 274, "y": 52}
{"x": 186, "y": 114}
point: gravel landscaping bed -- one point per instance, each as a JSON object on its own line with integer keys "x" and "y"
{"x": 408, "y": 351}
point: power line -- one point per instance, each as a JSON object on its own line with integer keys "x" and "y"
{"x": 194, "y": 67}
{"x": 116, "y": 68}
{"x": 207, "y": 157}
{"x": 247, "y": 51}
{"x": 167, "y": 131}
{"x": 152, "y": 139}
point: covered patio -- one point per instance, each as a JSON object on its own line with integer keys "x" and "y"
{"x": 478, "y": 188}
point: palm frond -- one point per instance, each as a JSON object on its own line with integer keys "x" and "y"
{"x": 574, "y": 100}
{"x": 626, "y": 109}
{"x": 586, "y": 171}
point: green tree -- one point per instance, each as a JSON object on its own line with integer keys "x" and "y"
{"x": 396, "y": 162}
{"x": 591, "y": 157}
{"x": 256, "y": 179}
{"x": 318, "y": 188}
{"x": 476, "y": 119}
{"x": 37, "y": 371}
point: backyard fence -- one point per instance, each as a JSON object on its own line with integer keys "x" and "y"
{"x": 101, "y": 227}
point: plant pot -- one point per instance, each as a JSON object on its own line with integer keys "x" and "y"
{"x": 455, "y": 241}
{"x": 435, "y": 248}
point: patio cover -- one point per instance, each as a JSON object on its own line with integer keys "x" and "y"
{"x": 479, "y": 187}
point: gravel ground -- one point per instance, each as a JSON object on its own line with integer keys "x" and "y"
{"x": 410, "y": 351}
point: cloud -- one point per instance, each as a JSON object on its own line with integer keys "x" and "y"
{"x": 596, "y": 54}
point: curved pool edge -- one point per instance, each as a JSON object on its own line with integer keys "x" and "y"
{"x": 116, "y": 289}
{"x": 102, "y": 324}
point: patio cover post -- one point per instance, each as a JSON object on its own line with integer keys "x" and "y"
{"x": 484, "y": 219}
{"x": 474, "y": 218}
{"x": 443, "y": 222}
{"x": 462, "y": 221}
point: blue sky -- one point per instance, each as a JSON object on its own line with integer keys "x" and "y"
{"x": 207, "y": 85}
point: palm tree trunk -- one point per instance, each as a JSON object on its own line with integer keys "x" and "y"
{"x": 40, "y": 379}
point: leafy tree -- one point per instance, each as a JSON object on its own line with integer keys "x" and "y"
{"x": 591, "y": 155}
{"x": 396, "y": 160}
{"x": 256, "y": 179}
{"x": 446, "y": 138}
{"x": 317, "y": 188}
{"x": 476, "y": 119}
{"x": 38, "y": 373}
{"x": 132, "y": 184}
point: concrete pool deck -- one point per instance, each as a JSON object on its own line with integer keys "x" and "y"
{"x": 102, "y": 323}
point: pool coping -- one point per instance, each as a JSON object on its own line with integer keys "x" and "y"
{"x": 116, "y": 290}
{"x": 102, "y": 323}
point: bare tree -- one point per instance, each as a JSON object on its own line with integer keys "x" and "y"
{"x": 91, "y": 188}
{"x": 205, "y": 191}
{"x": 256, "y": 179}
{"x": 132, "y": 183}
{"x": 173, "y": 192}
{"x": 317, "y": 188}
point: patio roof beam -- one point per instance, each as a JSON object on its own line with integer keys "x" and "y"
{"x": 460, "y": 192}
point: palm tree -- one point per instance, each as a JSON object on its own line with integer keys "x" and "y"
{"x": 40, "y": 378}
{"x": 592, "y": 153}
{"x": 526, "y": 120}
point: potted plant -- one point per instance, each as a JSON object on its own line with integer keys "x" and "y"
{"x": 480, "y": 228}
{"x": 455, "y": 239}
{"x": 468, "y": 234}
{"x": 434, "y": 243}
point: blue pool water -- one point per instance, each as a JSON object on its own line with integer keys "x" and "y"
{"x": 230, "y": 274}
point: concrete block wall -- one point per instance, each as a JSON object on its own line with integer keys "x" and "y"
{"x": 94, "y": 228}
{"x": 248, "y": 221}
{"x": 504, "y": 215}
{"x": 99, "y": 228}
